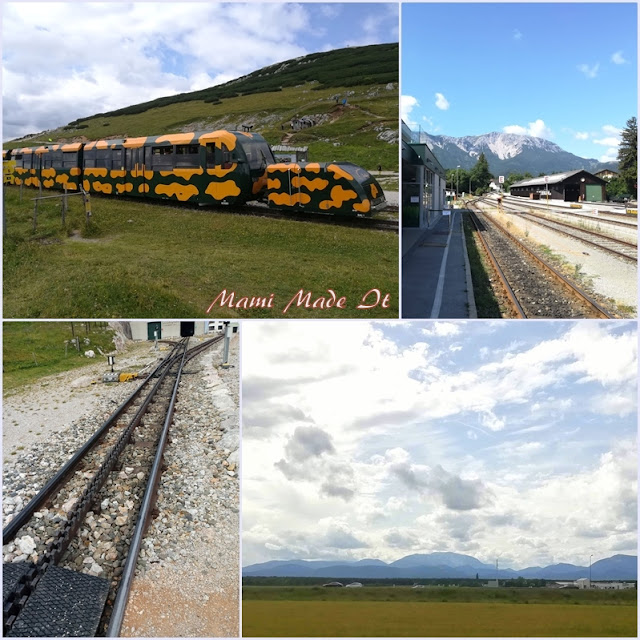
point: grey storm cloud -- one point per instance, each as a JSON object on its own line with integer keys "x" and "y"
{"x": 308, "y": 442}
{"x": 333, "y": 490}
{"x": 456, "y": 493}
{"x": 258, "y": 420}
{"x": 459, "y": 494}
{"x": 388, "y": 417}
{"x": 398, "y": 540}
{"x": 343, "y": 539}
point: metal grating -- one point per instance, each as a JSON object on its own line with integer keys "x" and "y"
{"x": 65, "y": 604}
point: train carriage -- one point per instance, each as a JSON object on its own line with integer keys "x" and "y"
{"x": 330, "y": 187}
{"x": 50, "y": 166}
{"x": 208, "y": 168}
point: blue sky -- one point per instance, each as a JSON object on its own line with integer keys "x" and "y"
{"x": 486, "y": 438}
{"x": 565, "y": 72}
{"x": 84, "y": 58}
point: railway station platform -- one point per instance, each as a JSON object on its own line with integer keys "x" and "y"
{"x": 436, "y": 277}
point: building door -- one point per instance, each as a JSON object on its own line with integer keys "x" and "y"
{"x": 187, "y": 329}
{"x": 594, "y": 193}
{"x": 571, "y": 192}
{"x": 154, "y": 330}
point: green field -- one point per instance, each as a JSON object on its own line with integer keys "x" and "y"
{"x": 406, "y": 612}
{"x": 32, "y": 350}
{"x": 138, "y": 260}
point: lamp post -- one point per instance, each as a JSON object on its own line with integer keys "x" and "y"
{"x": 591, "y": 556}
{"x": 457, "y": 182}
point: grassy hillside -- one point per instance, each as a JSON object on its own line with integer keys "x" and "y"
{"x": 364, "y": 130}
{"x": 32, "y": 350}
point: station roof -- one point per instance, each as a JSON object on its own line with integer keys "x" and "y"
{"x": 552, "y": 179}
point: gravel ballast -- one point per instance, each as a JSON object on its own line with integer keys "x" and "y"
{"x": 187, "y": 577}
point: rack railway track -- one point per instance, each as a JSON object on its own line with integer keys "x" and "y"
{"x": 531, "y": 287}
{"x": 120, "y": 465}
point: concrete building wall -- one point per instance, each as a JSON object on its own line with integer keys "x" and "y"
{"x": 168, "y": 328}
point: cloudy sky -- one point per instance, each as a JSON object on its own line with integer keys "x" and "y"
{"x": 62, "y": 61}
{"x": 501, "y": 439}
{"x": 566, "y": 72}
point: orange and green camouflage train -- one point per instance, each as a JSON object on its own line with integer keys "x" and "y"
{"x": 217, "y": 167}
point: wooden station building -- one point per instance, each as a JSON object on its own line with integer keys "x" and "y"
{"x": 571, "y": 186}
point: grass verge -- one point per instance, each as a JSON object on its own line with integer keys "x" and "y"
{"x": 487, "y": 304}
{"x": 139, "y": 260}
{"x": 433, "y": 619}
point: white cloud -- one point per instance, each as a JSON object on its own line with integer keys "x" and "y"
{"x": 412, "y": 447}
{"x": 407, "y": 105}
{"x": 610, "y": 155}
{"x": 517, "y": 34}
{"x": 610, "y": 129}
{"x": 581, "y": 135}
{"x": 441, "y": 102}
{"x": 118, "y": 54}
{"x": 607, "y": 142}
{"x": 538, "y": 129}
{"x": 589, "y": 72}
{"x": 618, "y": 58}
{"x": 442, "y": 329}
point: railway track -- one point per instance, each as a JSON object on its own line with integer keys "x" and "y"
{"x": 615, "y": 246}
{"x": 604, "y": 215}
{"x": 118, "y": 467}
{"x": 530, "y": 286}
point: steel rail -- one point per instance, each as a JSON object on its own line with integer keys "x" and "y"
{"x": 63, "y": 475}
{"x": 539, "y": 220}
{"x": 148, "y": 501}
{"x": 15, "y": 602}
{"x": 575, "y": 290}
{"x": 515, "y": 304}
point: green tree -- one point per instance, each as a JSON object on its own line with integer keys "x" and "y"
{"x": 616, "y": 187}
{"x": 628, "y": 156}
{"x": 480, "y": 175}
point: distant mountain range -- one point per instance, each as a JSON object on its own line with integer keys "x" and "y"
{"x": 509, "y": 153}
{"x": 443, "y": 565}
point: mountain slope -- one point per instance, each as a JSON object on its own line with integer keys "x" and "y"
{"x": 443, "y": 565}
{"x": 509, "y": 153}
{"x": 363, "y": 129}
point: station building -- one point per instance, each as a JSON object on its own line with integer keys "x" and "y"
{"x": 423, "y": 182}
{"x": 571, "y": 186}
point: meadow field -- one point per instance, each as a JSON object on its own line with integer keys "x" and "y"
{"x": 440, "y": 612}
{"x": 140, "y": 260}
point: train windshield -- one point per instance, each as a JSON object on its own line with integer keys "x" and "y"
{"x": 258, "y": 153}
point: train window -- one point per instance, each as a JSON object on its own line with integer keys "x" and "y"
{"x": 69, "y": 159}
{"x": 26, "y": 161}
{"x": 219, "y": 157}
{"x": 103, "y": 158}
{"x": 161, "y": 157}
{"x": 56, "y": 159}
{"x": 46, "y": 160}
{"x": 90, "y": 159}
{"x": 187, "y": 155}
{"x": 116, "y": 158}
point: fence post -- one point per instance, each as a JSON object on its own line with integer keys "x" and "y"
{"x": 64, "y": 205}
{"x": 35, "y": 215}
{"x": 21, "y": 185}
{"x": 87, "y": 206}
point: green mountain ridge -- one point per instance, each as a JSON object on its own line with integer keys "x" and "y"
{"x": 351, "y": 94}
